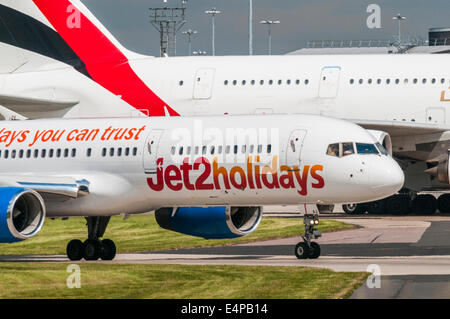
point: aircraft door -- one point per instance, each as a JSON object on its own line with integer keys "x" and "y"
{"x": 329, "y": 82}
{"x": 203, "y": 85}
{"x": 294, "y": 147}
{"x": 151, "y": 151}
{"x": 436, "y": 115}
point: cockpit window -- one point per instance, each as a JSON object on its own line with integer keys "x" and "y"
{"x": 348, "y": 149}
{"x": 363, "y": 148}
{"x": 333, "y": 150}
{"x": 382, "y": 149}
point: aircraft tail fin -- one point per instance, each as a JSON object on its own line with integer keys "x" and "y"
{"x": 65, "y": 30}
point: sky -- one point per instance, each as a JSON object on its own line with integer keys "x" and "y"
{"x": 301, "y": 21}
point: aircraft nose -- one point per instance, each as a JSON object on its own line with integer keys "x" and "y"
{"x": 386, "y": 177}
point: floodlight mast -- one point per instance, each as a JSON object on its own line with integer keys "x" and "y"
{"x": 399, "y": 19}
{"x": 270, "y": 23}
{"x": 189, "y": 33}
{"x": 168, "y": 21}
{"x": 213, "y": 12}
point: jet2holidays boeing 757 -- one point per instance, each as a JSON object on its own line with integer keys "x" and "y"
{"x": 203, "y": 176}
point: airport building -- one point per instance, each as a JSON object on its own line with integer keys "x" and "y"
{"x": 438, "y": 42}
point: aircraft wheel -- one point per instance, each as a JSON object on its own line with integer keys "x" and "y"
{"x": 353, "y": 209}
{"x": 108, "y": 249}
{"x": 424, "y": 204}
{"x": 92, "y": 249}
{"x": 302, "y": 251}
{"x": 398, "y": 205}
{"x": 74, "y": 250}
{"x": 376, "y": 208}
{"x": 315, "y": 250}
{"x": 444, "y": 203}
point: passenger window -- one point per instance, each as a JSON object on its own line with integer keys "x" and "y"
{"x": 21, "y": 153}
{"x": 13, "y": 153}
{"x": 228, "y": 148}
{"x": 204, "y": 149}
{"x": 269, "y": 148}
{"x": 363, "y": 148}
{"x": 259, "y": 149}
{"x": 51, "y": 152}
{"x": 347, "y": 149}
{"x": 74, "y": 152}
{"x": 213, "y": 149}
{"x": 252, "y": 149}
{"x": 119, "y": 151}
{"x": 58, "y": 152}
{"x": 135, "y": 151}
{"x": 88, "y": 153}
{"x": 180, "y": 152}
{"x": 220, "y": 149}
{"x": 306, "y": 82}
{"x": 66, "y": 152}
{"x": 333, "y": 150}
{"x": 43, "y": 153}
{"x": 244, "y": 149}
{"x": 196, "y": 150}
{"x": 103, "y": 152}
{"x": 127, "y": 151}
{"x": 36, "y": 153}
{"x": 111, "y": 151}
{"x": 6, "y": 154}
{"x": 188, "y": 150}
{"x": 28, "y": 153}
{"x": 172, "y": 151}
{"x": 235, "y": 149}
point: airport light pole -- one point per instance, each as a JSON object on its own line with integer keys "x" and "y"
{"x": 399, "y": 19}
{"x": 270, "y": 23}
{"x": 213, "y": 13}
{"x": 250, "y": 28}
{"x": 189, "y": 33}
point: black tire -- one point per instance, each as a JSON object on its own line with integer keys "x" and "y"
{"x": 108, "y": 250}
{"x": 377, "y": 208}
{"x": 302, "y": 251}
{"x": 315, "y": 251}
{"x": 354, "y": 209}
{"x": 74, "y": 250}
{"x": 92, "y": 249}
{"x": 398, "y": 205}
{"x": 444, "y": 203}
{"x": 424, "y": 205}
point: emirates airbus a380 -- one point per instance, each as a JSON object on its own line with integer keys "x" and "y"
{"x": 58, "y": 60}
{"x": 204, "y": 176}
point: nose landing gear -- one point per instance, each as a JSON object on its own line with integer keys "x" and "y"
{"x": 308, "y": 249}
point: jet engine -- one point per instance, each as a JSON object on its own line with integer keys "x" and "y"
{"x": 440, "y": 168}
{"x": 211, "y": 222}
{"x": 22, "y": 214}
{"x": 383, "y": 138}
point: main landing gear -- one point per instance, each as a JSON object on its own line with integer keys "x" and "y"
{"x": 308, "y": 249}
{"x": 93, "y": 248}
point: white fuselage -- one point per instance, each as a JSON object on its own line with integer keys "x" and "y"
{"x": 137, "y": 165}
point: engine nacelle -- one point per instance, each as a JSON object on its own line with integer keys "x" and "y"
{"x": 383, "y": 138}
{"x": 22, "y": 214}
{"x": 210, "y": 222}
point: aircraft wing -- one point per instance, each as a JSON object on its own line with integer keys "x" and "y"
{"x": 25, "y": 105}
{"x": 401, "y": 128}
{"x": 54, "y": 185}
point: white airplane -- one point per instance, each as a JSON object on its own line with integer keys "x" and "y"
{"x": 58, "y": 60}
{"x": 204, "y": 176}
